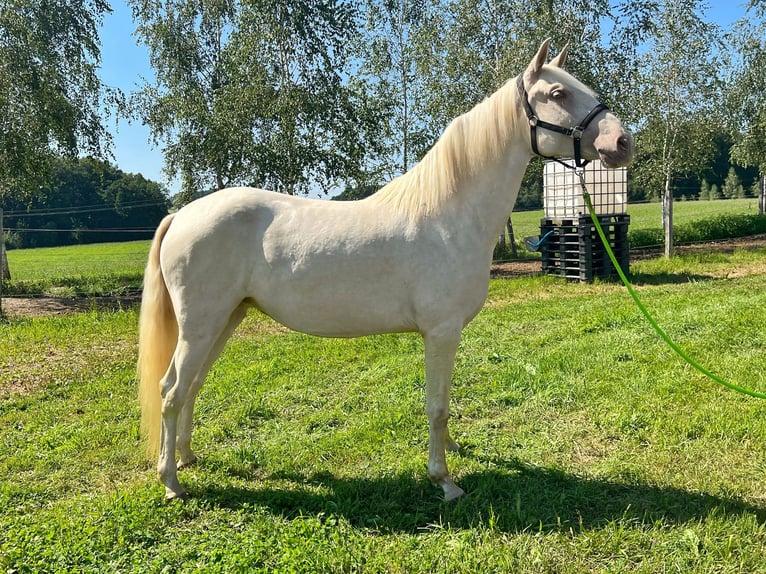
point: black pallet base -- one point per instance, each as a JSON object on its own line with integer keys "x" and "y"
{"x": 572, "y": 247}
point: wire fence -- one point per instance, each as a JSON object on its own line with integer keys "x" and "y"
{"x": 81, "y": 209}
{"x": 80, "y": 230}
{"x": 91, "y": 223}
{"x": 525, "y": 223}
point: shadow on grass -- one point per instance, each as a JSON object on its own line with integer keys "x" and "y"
{"x": 639, "y": 279}
{"x": 513, "y": 496}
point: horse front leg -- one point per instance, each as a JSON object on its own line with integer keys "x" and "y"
{"x": 440, "y": 348}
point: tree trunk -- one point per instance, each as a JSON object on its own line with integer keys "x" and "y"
{"x": 667, "y": 218}
{"x": 6, "y": 271}
{"x": 3, "y": 262}
{"x": 762, "y": 196}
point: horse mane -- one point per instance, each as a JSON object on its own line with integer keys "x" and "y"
{"x": 470, "y": 141}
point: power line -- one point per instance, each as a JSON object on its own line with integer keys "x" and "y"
{"x": 81, "y": 230}
{"x": 55, "y": 211}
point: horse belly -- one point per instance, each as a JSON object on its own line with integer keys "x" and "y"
{"x": 335, "y": 306}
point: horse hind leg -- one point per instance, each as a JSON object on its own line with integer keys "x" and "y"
{"x": 191, "y": 356}
{"x": 186, "y": 456}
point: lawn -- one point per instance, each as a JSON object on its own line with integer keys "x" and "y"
{"x": 52, "y": 262}
{"x": 97, "y": 269}
{"x": 648, "y": 216}
{"x": 587, "y": 446}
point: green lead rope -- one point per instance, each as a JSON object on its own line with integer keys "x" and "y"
{"x": 643, "y": 309}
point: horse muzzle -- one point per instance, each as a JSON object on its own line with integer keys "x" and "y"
{"x": 615, "y": 147}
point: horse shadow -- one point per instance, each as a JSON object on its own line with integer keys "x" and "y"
{"x": 509, "y": 496}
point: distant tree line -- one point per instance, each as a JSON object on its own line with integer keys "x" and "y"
{"x": 85, "y": 201}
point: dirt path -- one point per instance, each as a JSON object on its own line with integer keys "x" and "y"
{"x": 41, "y": 306}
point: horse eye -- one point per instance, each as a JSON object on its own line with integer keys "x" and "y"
{"x": 558, "y": 94}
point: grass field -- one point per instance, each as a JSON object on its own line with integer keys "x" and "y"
{"x": 97, "y": 269}
{"x": 648, "y": 216}
{"x": 587, "y": 446}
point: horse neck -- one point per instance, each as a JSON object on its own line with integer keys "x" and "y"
{"x": 490, "y": 149}
{"x": 472, "y": 175}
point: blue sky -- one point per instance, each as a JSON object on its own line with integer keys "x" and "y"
{"x": 124, "y": 64}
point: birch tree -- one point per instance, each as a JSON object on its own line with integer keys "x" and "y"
{"x": 745, "y": 95}
{"x": 673, "y": 90}
{"x": 393, "y": 31}
{"x": 252, "y": 92}
{"x": 51, "y": 98}
{"x": 472, "y": 47}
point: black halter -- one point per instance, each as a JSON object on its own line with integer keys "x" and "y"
{"x": 575, "y": 133}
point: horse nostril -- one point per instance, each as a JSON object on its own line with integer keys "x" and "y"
{"x": 623, "y": 143}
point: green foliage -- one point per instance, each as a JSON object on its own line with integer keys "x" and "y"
{"x": 467, "y": 49}
{"x": 51, "y": 97}
{"x": 713, "y": 228}
{"x": 587, "y": 447}
{"x": 671, "y": 88}
{"x": 732, "y": 186}
{"x": 389, "y": 60}
{"x": 357, "y": 192}
{"x": 747, "y": 112}
{"x": 650, "y": 237}
{"x": 313, "y": 95}
{"x": 252, "y": 93}
{"x": 721, "y": 227}
{"x": 86, "y": 201}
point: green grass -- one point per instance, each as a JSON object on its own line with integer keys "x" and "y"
{"x": 649, "y": 215}
{"x": 587, "y": 446}
{"x": 98, "y": 269}
{"x": 693, "y": 221}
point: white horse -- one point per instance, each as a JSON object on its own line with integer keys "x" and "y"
{"x": 414, "y": 257}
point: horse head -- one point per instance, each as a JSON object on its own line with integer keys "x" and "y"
{"x": 565, "y": 116}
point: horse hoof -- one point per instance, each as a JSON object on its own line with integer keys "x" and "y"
{"x": 186, "y": 464}
{"x": 451, "y": 490}
{"x": 170, "y": 496}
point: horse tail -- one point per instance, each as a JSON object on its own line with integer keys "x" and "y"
{"x": 157, "y": 338}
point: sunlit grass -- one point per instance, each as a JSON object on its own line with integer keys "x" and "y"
{"x": 646, "y": 220}
{"x": 97, "y": 269}
{"x": 587, "y": 445}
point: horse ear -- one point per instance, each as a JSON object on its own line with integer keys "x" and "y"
{"x": 561, "y": 59}
{"x": 539, "y": 60}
